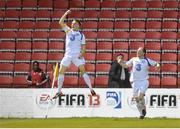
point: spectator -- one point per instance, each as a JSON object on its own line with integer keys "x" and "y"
{"x": 37, "y": 78}
{"x": 118, "y": 76}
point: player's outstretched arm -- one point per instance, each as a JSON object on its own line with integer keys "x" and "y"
{"x": 61, "y": 21}
{"x": 124, "y": 65}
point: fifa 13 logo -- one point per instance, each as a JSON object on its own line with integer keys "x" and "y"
{"x": 79, "y": 100}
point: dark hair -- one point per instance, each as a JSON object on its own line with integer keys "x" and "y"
{"x": 120, "y": 54}
{"x": 77, "y": 21}
{"x": 144, "y": 50}
{"x": 36, "y": 62}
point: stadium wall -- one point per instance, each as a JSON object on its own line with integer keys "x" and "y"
{"x": 78, "y": 102}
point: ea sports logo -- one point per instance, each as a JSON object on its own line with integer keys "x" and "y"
{"x": 43, "y": 101}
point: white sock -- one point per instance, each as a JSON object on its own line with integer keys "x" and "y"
{"x": 87, "y": 80}
{"x": 139, "y": 107}
{"x": 60, "y": 82}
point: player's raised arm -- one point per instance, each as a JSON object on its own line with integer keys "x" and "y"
{"x": 122, "y": 63}
{"x": 61, "y": 21}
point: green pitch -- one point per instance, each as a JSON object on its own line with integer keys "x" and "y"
{"x": 90, "y": 123}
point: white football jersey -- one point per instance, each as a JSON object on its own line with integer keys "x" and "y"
{"x": 74, "y": 40}
{"x": 140, "y": 68}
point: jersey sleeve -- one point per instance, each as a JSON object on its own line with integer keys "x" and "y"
{"x": 66, "y": 29}
{"x": 130, "y": 62}
{"x": 152, "y": 62}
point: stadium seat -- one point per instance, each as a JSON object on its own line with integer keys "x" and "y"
{"x": 133, "y": 46}
{"x": 56, "y": 36}
{"x": 101, "y": 81}
{"x": 27, "y": 15}
{"x": 104, "y": 47}
{"x": 64, "y": 4}
{"x": 169, "y": 69}
{"x": 138, "y": 5}
{"x": 26, "y": 25}
{"x": 169, "y": 47}
{"x": 21, "y": 68}
{"x": 24, "y": 36}
{"x": 137, "y": 36}
{"x": 169, "y": 58}
{"x": 168, "y": 36}
{"x": 121, "y": 25}
{"x": 6, "y": 81}
{"x": 42, "y": 25}
{"x": 106, "y": 15}
{"x": 2, "y": 4}
{"x": 90, "y": 35}
{"x": 90, "y": 25}
{"x": 154, "y": 15}
{"x": 23, "y": 57}
{"x": 39, "y": 56}
{"x": 92, "y": 4}
{"x": 10, "y": 25}
{"x": 77, "y": 14}
{"x": 103, "y": 57}
{"x": 170, "y": 15}
{"x": 105, "y": 25}
{"x": 168, "y": 82}
{"x": 54, "y": 25}
{"x": 153, "y": 26}
{"x": 90, "y": 57}
{"x": 43, "y": 15}
{"x": 13, "y": 4}
{"x": 120, "y": 36}
{"x": 153, "y": 36}
{"x": 45, "y": 4}
{"x": 102, "y": 69}
{"x": 6, "y": 69}
{"x": 54, "y": 57}
{"x": 120, "y": 46}
{"x": 8, "y": 35}
{"x": 138, "y": 15}
{"x": 154, "y": 5}
{"x": 7, "y": 57}
{"x": 137, "y": 26}
{"x": 7, "y": 47}
{"x": 90, "y": 68}
{"x": 90, "y": 46}
{"x": 76, "y": 4}
{"x": 122, "y": 15}
{"x": 91, "y": 15}
{"x": 169, "y": 26}
{"x": 178, "y": 82}
{"x": 2, "y": 15}
{"x": 82, "y": 83}
{"x": 178, "y": 57}
{"x": 29, "y": 4}
{"x": 20, "y": 82}
{"x": 56, "y": 47}
{"x": 56, "y": 14}
{"x": 153, "y": 46}
{"x": 154, "y": 56}
{"x": 123, "y": 5}
{"x": 154, "y": 82}
{"x": 40, "y": 36}
{"x": 23, "y": 47}
{"x": 12, "y": 15}
{"x": 104, "y": 36}
{"x": 108, "y": 5}
{"x": 170, "y": 5}
{"x": 131, "y": 55}
{"x": 71, "y": 82}
{"x": 72, "y": 69}
{"x": 39, "y": 47}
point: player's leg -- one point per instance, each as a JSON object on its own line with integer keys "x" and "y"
{"x": 80, "y": 64}
{"x": 66, "y": 61}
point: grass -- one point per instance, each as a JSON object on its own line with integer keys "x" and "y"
{"x": 90, "y": 123}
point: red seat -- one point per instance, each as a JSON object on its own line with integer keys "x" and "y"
{"x": 154, "y": 82}
{"x": 83, "y": 84}
{"x": 24, "y": 36}
{"x": 8, "y": 35}
{"x": 39, "y": 47}
{"x": 90, "y": 57}
{"x": 106, "y": 15}
{"x": 138, "y": 15}
{"x": 153, "y": 36}
{"x": 133, "y": 46}
{"x": 104, "y": 57}
{"x": 153, "y": 46}
{"x": 137, "y": 35}
{"x": 169, "y": 26}
{"x": 12, "y": 15}
{"x": 154, "y": 5}
{"x": 90, "y": 46}
{"x": 38, "y": 56}
{"x": 54, "y": 57}
{"x": 6, "y": 68}
{"x": 2, "y": 4}
{"x": 40, "y": 35}
{"x": 169, "y": 47}
{"x": 122, "y": 15}
{"x": 23, "y": 46}
{"x": 91, "y": 15}
{"x": 43, "y": 15}
{"x": 121, "y": 25}
{"x": 92, "y": 4}
{"x": 170, "y": 15}
{"x": 54, "y": 25}
{"x": 56, "y": 47}
{"x": 169, "y": 57}
{"x": 27, "y": 15}
{"x": 168, "y": 82}
{"x": 141, "y": 5}
{"x": 20, "y": 82}
{"x": 56, "y": 14}
{"x": 76, "y": 15}
{"x": 7, "y": 57}
{"x": 169, "y": 68}
{"x": 13, "y": 4}
{"x": 120, "y": 36}
{"x": 90, "y": 68}
{"x": 90, "y": 35}
{"x": 120, "y": 46}
{"x": 125, "y": 5}
{"x": 154, "y": 15}
{"x": 90, "y": 25}
{"x": 72, "y": 69}
{"x": 105, "y": 25}
{"x": 104, "y": 46}
{"x": 64, "y": 4}
{"x": 71, "y": 81}
{"x": 178, "y": 82}
{"x": 6, "y": 81}
{"x": 42, "y": 25}
{"x": 7, "y": 47}
{"x": 172, "y": 36}
{"x": 108, "y": 5}
{"x": 56, "y": 35}
{"x": 154, "y": 56}
{"x": 21, "y": 68}
{"x": 23, "y": 57}
{"x": 171, "y": 4}
{"x": 26, "y": 25}
{"x": 105, "y": 35}
{"x": 102, "y": 69}
{"x": 10, "y": 25}
{"x": 45, "y": 4}
{"x": 29, "y": 4}
{"x": 101, "y": 82}
{"x": 153, "y": 26}
{"x": 137, "y": 26}
{"x": 76, "y": 4}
